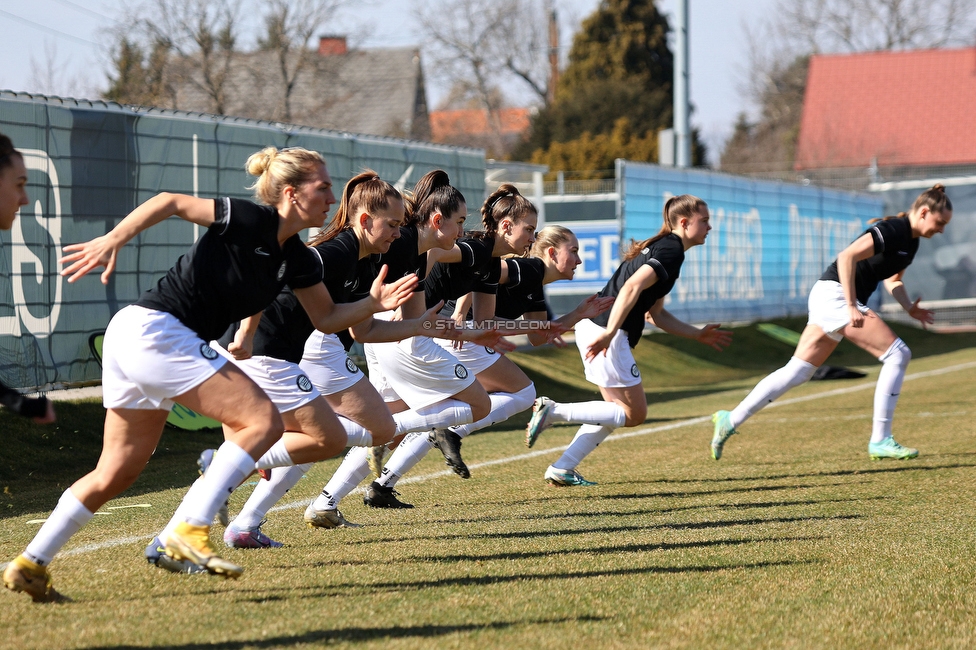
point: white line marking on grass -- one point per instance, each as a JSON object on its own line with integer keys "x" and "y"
{"x": 542, "y": 452}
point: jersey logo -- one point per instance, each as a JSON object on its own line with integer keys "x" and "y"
{"x": 348, "y": 283}
{"x": 634, "y": 370}
{"x": 281, "y": 270}
{"x": 208, "y": 352}
{"x": 460, "y": 371}
{"x": 489, "y": 350}
{"x": 261, "y": 251}
{"x": 903, "y": 252}
{"x": 351, "y": 366}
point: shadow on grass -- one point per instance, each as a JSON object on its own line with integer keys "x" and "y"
{"x": 628, "y": 548}
{"x": 328, "y": 637}
{"x": 352, "y": 588}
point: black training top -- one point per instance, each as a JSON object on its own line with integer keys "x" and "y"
{"x": 894, "y": 250}
{"x": 665, "y": 256}
{"x": 285, "y": 326}
{"x": 477, "y": 271}
{"x": 523, "y": 292}
{"x": 233, "y": 271}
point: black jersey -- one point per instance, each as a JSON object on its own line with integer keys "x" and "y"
{"x": 523, "y": 292}
{"x": 477, "y": 271}
{"x": 235, "y": 270}
{"x": 285, "y": 326}
{"x": 894, "y": 250}
{"x": 665, "y": 256}
{"x": 402, "y": 259}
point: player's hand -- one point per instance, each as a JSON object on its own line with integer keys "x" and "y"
{"x": 492, "y": 339}
{"x": 594, "y": 306}
{"x": 924, "y": 316}
{"x": 712, "y": 336}
{"x": 857, "y": 318}
{"x": 101, "y": 251}
{"x": 599, "y": 345}
{"x": 242, "y": 347}
{"x": 390, "y": 296}
{"x": 559, "y": 342}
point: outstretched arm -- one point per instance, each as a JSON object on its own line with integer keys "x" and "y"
{"x": 104, "y": 250}
{"x": 709, "y": 335}
{"x": 330, "y": 318}
{"x": 642, "y": 279}
{"x": 896, "y": 288}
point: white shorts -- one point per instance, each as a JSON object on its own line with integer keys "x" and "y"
{"x": 615, "y": 369}
{"x": 827, "y": 308}
{"x": 149, "y": 357}
{"x": 416, "y": 370}
{"x": 476, "y": 358}
{"x": 285, "y": 384}
{"x": 327, "y": 364}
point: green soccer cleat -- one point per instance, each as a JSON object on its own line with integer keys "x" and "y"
{"x": 540, "y": 421}
{"x": 723, "y": 430}
{"x": 566, "y": 477}
{"x": 888, "y": 448}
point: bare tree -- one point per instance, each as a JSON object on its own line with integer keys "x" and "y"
{"x": 479, "y": 45}
{"x": 289, "y": 26}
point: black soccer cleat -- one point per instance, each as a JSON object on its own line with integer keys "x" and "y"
{"x": 450, "y": 445}
{"x": 378, "y": 496}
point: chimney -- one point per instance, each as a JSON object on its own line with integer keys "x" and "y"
{"x": 332, "y": 45}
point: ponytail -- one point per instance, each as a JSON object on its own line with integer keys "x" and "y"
{"x": 433, "y": 193}
{"x": 554, "y": 236}
{"x": 504, "y": 203}
{"x": 365, "y": 191}
{"x": 277, "y": 169}
{"x": 934, "y": 198}
{"x": 675, "y": 208}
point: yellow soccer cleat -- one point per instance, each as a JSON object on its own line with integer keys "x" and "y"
{"x": 33, "y": 579}
{"x": 192, "y": 543}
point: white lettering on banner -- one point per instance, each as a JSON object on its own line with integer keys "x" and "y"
{"x": 589, "y": 248}
{"x": 729, "y": 265}
{"x": 814, "y": 244}
{"x": 609, "y": 255}
{"x": 25, "y": 262}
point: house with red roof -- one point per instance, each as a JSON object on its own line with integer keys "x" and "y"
{"x": 498, "y": 132}
{"x": 891, "y": 110}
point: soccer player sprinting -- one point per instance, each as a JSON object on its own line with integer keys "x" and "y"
{"x": 156, "y": 351}
{"x": 837, "y": 309}
{"x": 647, "y": 274}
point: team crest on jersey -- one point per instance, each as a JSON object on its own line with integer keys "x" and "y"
{"x": 282, "y": 269}
{"x": 208, "y": 352}
{"x": 304, "y": 384}
{"x": 351, "y": 366}
{"x": 489, "y": 350}
{"x": 634, "y": 370}
{"x": 460, "y": 371}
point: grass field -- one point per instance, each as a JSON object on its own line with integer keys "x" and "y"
{"x": 794, "y": 539}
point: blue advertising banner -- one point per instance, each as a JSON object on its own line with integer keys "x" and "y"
{"x": 769, "y": 242}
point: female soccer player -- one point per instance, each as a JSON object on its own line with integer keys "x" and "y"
{"x": 421, "y": 372}
{"x": 554, "y": 256}
{"x": 836, "y": 307}
{"x": 647, "y": 274}
{"x": 156, "y": 351}
{"x": 13, "y": 194}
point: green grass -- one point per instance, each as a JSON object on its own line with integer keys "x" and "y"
{"x": 794, "y": 539}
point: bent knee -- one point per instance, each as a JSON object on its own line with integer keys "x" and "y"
{"x": 635, "y": 416}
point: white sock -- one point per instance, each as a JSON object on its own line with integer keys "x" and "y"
{"x": 503, "y": 406}
{"x": 410, "y": 452}
{"x": 268, "y": 493}
{"x": 230, "y": 466}
{"x": 356, "y": 435}
{"x": 794, "y": 373}
{"x": 277, "y": 456}
{"x": 587, "y": 439}
{"x": 604, "y": 414}
{"x": 191, "y": 496}
{"x": 349, "y": 474}
{"x": 445, "y": 413}
{"x": 66, "y": 520}
{"x": 895, "y": 363}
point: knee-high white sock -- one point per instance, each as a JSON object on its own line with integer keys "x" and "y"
{"x": 604, "y": 414}
{"x": 443, "y": 414}
{"x": 66, "y": 520}
{"x": 268, "y": 493}
{"x": 277, "y": 456}
{"x": 410, "y": 452}
{"x": 356, "y": 434}
{"x": 503, "y": 406}
{"x": 349, "y": 474}
{"x": 587, "y": 439}
{"x": 230, "y": 466}
{"x": 794, "y": 373}
{"x": 895, "y": 363}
